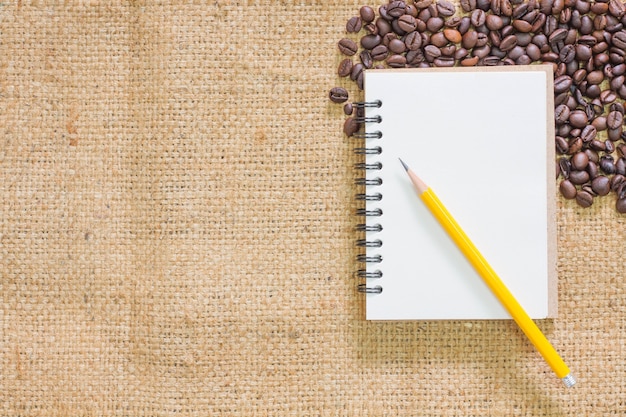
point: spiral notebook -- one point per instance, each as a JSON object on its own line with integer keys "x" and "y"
{"x": 483, "y": 139}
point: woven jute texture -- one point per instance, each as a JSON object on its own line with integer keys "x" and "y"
{"x": 177, "y": 234}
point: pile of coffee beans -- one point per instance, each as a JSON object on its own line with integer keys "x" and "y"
{"x": 584, "y": 41}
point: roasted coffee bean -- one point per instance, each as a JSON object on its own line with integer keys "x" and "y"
{"x": 350, "y": 126}
{"x": 478, "y": 17}
{"x": 338, "y": 95}
{"x": 413, "y": 41}
{"x": 578, "y": 177}
{"x": 601, "y": 185}
{"x": 354, "y": 24}
{"x": 366, "y": 58}
{"x": 438, "y": 39}
{"x": 396, "y": 61}
{"x": 396, "y": 8}
{"x": 445, "y": 8}
{"x": 620, "y": 205}
{"x": 379, "y": 53}
{"x": 347, "y": 46}
{"x": 565, "y": 167}
{"x": 584, "y": 198}
{"x": 562, "y": 145}
{"x": 578, "y": 118}
{"x": 616, "y": 182}
{"x": 431, "y": 52}
{"x": 383, "y": 27}
{"x": 580, "y": 161}
{"x": 562, "y": 83}
{"x": 607, "y": 164}
{"x": 345, "y": 67}
{"x": 367, "y": 14}
{"x": 407, "y": 23}
{"x": 434, "y": 24}
{"x": 452, "y": 35}
{"x": 348, "y": 109}
{"x": 371, "y": 41}
{"x": 568, "y": 190}
{"x": 614, "y": 119}
{"x": 468, "y": 5}
{"x": 561, "y": 113}
{"x": 620, "y": 166}
{"x": 508, "y": 43}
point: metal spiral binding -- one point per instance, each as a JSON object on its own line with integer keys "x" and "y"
{"x": 365, "y": 197}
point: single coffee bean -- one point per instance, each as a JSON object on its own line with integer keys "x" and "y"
{"x": 431, "y": 52}
{"x": 354, "y": 24}
{"x": 468, "y": 5}
{"x": 609, "y": 146}
{"x": 371, "y": 41}
{"x": 478, "y": 17}
{"x": 620, "y": 166}
{"x": 619, "y": 40}
{"x": 508, "y": 43}
{"x": 614, "y": 119}
{"x": 367, "y": 14}
{"x": 345, "y": 67}
{"x": 592, "y": 170}
{"x": 407, "y": 23}
{"x": 413, "y": 41}
{"x": 383, "y": 27}
{"x": 617, "y": 181}
{"x": 584, "y": 198}
{"x": 616, "y": 8}
{"x": 601, "y": 185}
{"x": 607, "y": 164}
{"x": 580, "y": 161}
{"x": 562, "y": 83}
{"x": 588, "y": 133}
{"x": 494, "y": 22}
{"x": 561, "y": 113}
{"x": 348, "y": 46}
{"x": 620, "y": 205}
{"x": 350, "y": 126}
{"x": 338, "y": 95}
{"x": 562, "y": 145}
{"x": 578, "y": 177}
{"x": 452, "y": 35}
{"x": 578, "y": 118}
{"x": 565, "y": 167}
{"x": 595, "y": 77}
{"x": 396, "y": 61}
{"x": 568, "y": 190}
{"x": 469, "y": 39}
{"x": 396, "y": 8}
{"x": 366, "y": 58}
{"x": 434, "y": 24}
{"x": 379, "y": 53}
{"x": 445, "y": 8}
{"x": 397, "y": 46}
{"x": 348, "y": 109}
{"x": 357, "y": 69}
{"x": 567, "y": 54}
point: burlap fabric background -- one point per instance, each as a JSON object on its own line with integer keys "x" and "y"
{"x": 176, "y": 234}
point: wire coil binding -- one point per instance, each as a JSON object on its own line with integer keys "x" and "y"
{"x": 368, "y": 196}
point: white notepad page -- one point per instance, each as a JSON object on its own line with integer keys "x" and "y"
{"x": 483, "y": 140}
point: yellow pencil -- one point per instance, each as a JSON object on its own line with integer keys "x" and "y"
{"x": 492, "y": 280}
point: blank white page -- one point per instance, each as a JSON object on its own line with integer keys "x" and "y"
{"x": 483, "y": 140}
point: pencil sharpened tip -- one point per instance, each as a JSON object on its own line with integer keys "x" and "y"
{"x": 406, "y": 168}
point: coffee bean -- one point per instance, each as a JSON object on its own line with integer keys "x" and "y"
{"x": 350, "y": 126}
{"x": 366, "y": 58}
{"x": 578, "y": 118}
{"x": 338, "y": 94}
{"x": 407, "y": 23}
{"x": 601, "y": 185}
{"x": 468, "y": 5}
{"x": 434, "y": 24}
{"x": 452, "y": 35}
{"x": 562, "y": 83}
{"x": 371, "y": 41}
{"x": 565, "y": 167}
{"x": 347, "y": 46}
{"x": 607, "y": 164}
{"x": 397, "y": 46}
{"x": 620, "y": 205}
{"x": 620, "y": 166}
{"x": 567, "y": 189}
{"x": 580, "y": 161}
{"x": 383, "y": 27}
{"x": 578, "y": 177}
{"x": 354, "y": 24}
{"x": 478, "y": 17}
{"x": 345, "y": 67}
{"x": 445, "y": 8}
{"x": 367, "y": 14}
{"x": 348, "y": 109}
{"x": 413, "y": 41}
{"x": 614, "y": 119}
{"x": 396, "y": 61}
{"x": 431, "y": 52}
{"x": 584, "y": 198}
{"x": 396, "y": 8}
{"x": 379, "y": 53}
{"x": 588, "y": 133}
